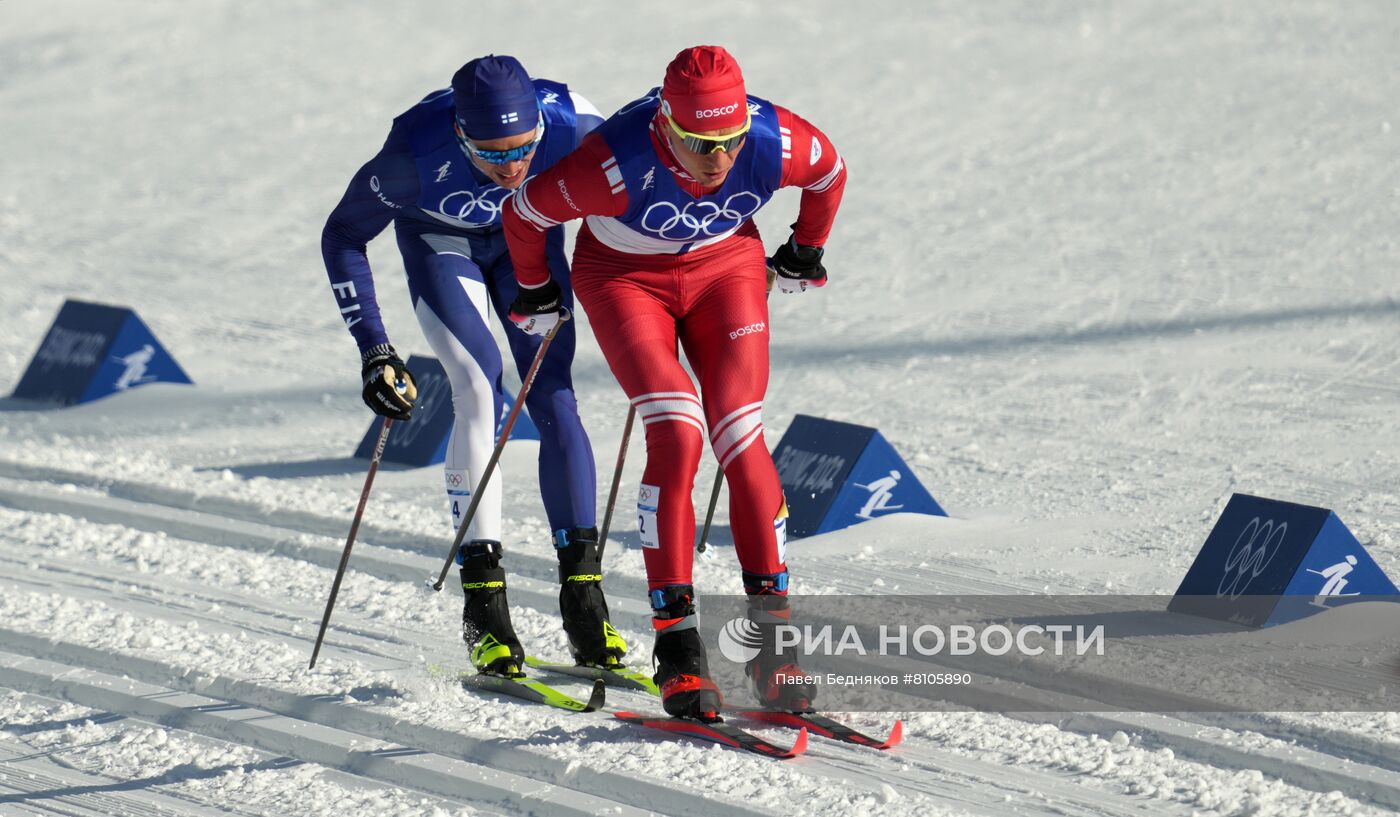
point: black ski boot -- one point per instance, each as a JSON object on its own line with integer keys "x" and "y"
{"x": 771, "y": 673}
{"x": 486, "y": 623}
{"x": 682, "y": 671}
{"x": 592, "y": 639}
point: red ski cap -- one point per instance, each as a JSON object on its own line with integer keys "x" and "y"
{"x": 704, "y": 90}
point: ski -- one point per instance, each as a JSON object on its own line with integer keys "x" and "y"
{"x": 718, "y": 732}
{"x": 528, "y": 689}
{"x": 825, "y": 727}
{"x": 621, "y": 677}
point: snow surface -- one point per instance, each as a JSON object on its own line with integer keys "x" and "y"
{"x": 1098, "y": 267}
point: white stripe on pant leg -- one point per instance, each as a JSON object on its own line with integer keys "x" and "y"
{"x": 738, "y": 448}
{"x": 662, "y": 406}
{"x": 733, "y": 417}
{"x": 679, "y": 410}
{"x": 675, "y": 418}
{"x": 474, "y": 415}
{"x": 738, "y": 428}
{"x": 659, "y": 395}
{"x": 654, "y": 407}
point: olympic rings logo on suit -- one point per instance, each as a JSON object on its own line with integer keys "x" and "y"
{"x": 1246, "y": 561}
{"x": 475, "y": 209}
{"x": 699, "y": 217}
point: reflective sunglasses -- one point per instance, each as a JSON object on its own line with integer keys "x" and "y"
{"x": 705, "y": 145}
{"x": 499, "y": 157}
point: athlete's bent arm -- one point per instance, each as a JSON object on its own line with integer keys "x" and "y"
{"x": 579, "y": 185}
{"x": 812, "y": 163}
{"x": 381, "y": 188}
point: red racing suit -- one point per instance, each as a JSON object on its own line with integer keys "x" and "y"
{"x": 661, "y": 261}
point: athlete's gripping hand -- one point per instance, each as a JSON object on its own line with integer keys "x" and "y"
{"x": 537, "y": 311}
{"x": 797, "y": 267}
{"x": 389, "y": 388}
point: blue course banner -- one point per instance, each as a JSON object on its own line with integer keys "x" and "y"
{"x": 838, "y": 474}
{"x": 1267, "y": 561}
{"x": 423, "y": 440}
{"x": 95, "y": 350}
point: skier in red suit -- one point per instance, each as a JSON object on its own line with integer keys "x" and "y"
{"x": 669, "y": 254}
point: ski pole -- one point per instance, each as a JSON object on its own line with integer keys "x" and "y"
{"x": 525, "y": 385}
{"x": 617, "y": 478}
{"x": 350, "y": 540}
{"x": 710, "y": 514}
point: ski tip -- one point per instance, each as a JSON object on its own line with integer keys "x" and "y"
{"x": 896, "y": 735}
{"x": 800, "y": 745}
{"x": 596, "y": 698}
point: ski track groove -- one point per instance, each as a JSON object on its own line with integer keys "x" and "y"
{"x": 328, "y": 710}
{"x": 206, "y": 520}
{"x": 159, "y": 602}
{"x": 229, "y": 509}
{"x": 423, "y": 772}
{"x": 963, "y": 780}
{"x": 850, "y": 763}
{"x": 384, "y": 554}
{"x": 68, "y": 786}
{"x": 91, "y": 805}
{"x": 967, "y": 782}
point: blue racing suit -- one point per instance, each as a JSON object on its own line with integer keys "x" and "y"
{"x": 446, "y": 216}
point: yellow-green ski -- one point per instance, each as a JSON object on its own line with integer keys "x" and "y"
{"x": 527, "y": 689}
{"x": 620, "y": 676}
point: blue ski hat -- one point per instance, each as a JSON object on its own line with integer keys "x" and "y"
{"x": 494, "y": 98}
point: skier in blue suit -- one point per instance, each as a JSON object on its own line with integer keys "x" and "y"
{"x": 445, "y": 171}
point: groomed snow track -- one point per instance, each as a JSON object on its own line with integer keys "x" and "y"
{"x": 347, "y": 733}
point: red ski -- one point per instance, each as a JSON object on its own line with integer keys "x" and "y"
{"x": 825, "y": 727}
{"x": 718, "y": 732}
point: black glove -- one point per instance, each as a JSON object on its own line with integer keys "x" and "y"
{"x": 389, "y": 389}
{"x": 536, "y": 311}
{"x": 797, "y": 267}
